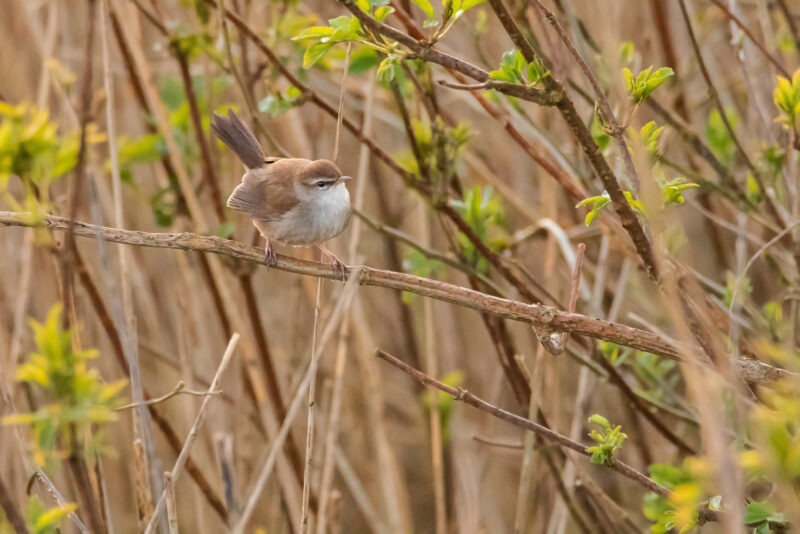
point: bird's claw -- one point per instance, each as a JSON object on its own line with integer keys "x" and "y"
{"x": 270, "y": 256}
{"x": 339, "y": 267}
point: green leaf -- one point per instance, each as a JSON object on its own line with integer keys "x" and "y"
{"x": 382, "y": 12}
{"x": 756, "y": 512}
{"x": 650, "y": 135}
{"x": 598, "y": 133}
{"x": 315, "y": 52}
{"x": 315, "y": 32}
{"x": 635, "y": 204}
{"x": 536, "y": 72}
{"x": 425, "y": 6}
{"x": 658, "y": 78}
{"x": 597, "y": 203}
{"x": 627, "y": 52}
{"x": 643, "y": 84}
{"x": 469, "y": 4}
{"x": 386, "y": 70}
{"x": 362, "y": 60}
{"x": 341, "y": 23}
{"x": 787, "y": 99}
{"x": 599, "y": 420}
{"x": 672, "y": 191}
{"x": 52, "y": 516}
{"x": 501, "y": 75}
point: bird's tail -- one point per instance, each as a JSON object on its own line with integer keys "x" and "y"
{"x": 238, "y": 138}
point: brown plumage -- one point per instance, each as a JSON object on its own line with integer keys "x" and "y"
{"x": 291, "y": 200}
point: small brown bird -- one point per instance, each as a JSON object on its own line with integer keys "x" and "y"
{"x": 292, "y": 201}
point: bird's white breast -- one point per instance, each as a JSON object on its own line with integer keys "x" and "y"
{"x": 320, "y": 216}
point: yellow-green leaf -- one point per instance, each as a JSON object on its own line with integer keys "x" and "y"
{"x": 314, "y": 53}
{"x": 314, "y": 32}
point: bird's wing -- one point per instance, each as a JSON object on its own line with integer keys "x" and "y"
{"x": 266, "y": 193}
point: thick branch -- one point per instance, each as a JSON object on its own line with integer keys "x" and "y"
{"x": 555, "y": 320}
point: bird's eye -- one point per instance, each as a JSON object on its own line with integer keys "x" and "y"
{"x": 321, "y": 184}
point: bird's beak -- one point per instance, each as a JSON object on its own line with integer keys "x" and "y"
{"x": 344, "y": 178}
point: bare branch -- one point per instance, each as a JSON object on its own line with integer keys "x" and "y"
{"x": 177, "y": 390}
{"x": 465, "y": 396}
{"x": 556, "y": 320}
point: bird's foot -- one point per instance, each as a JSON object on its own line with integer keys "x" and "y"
{"x": 270, "y": 256}
{"x": 339, "y": 267}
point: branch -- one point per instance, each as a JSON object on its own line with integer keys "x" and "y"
{"x": 627, "y": 217}
{"x": 617, "y": 131}
{"x": 179, "y": 389}
{"x": 465, "y": 396}
{"x": 180, "y": 462}
{"x": 539, "y": 96}
{"x": 736, "y": 20}
{"x": 554, "y": 319}
{"x": 424, "y": 50}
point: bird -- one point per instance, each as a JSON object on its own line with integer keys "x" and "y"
{"x": 291, "y": 201}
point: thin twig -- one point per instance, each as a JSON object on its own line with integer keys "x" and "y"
{"x": 736, "y": 20}
{"x": 294, "y": 407}
{"x": 79, "y": 175}
{"x": 178, "y": 390}
{"x": 312, "y": 392}
{"x": 341, "y": 104}
{"x": 172, "y": 506}
{"x": 712, "y": 90}
{"x": 169, "y": 433}
{"x": 556, "y": 344}
{"x": 177, "y": 469}
{"x": 503, "y": 444}
{"x": 334, "y": 413}
{"x": 120, "y": 299}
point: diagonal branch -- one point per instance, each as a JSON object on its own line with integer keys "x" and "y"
{"x": 461, "y": 394}
{"x": 465, "y": 396}
{"x": 424, "y": 50}
{"x": 554, "y": 319}
{"x": 539, "y": 96}
{"x": 556, "y": 92}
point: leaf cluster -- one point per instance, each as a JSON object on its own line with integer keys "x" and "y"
{"x": 787, "y": 99}
{"x": 609, "y": 440}
{"x": 515, "y": 69}
{"x": 643, "y": 84}
{"x": 79, "y": 398}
